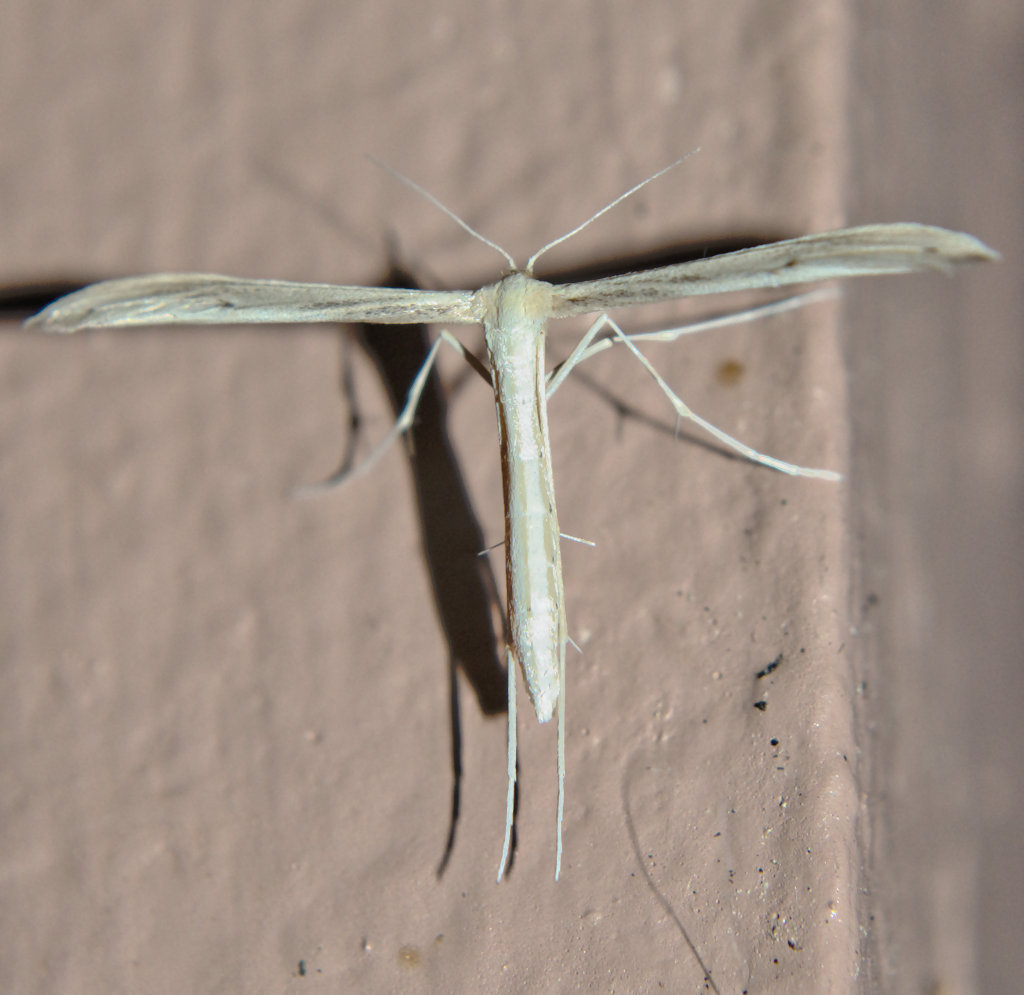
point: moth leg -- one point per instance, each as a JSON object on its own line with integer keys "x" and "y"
{"x": 682, "y": 411}
{"x": 583, "y": 349}
{"x": 511, "y": 664}
{"x": 402, "y": 423}
{"x": 588, "y": 347}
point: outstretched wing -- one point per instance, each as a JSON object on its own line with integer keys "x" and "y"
{"x": 870, "y": 249}
{"x": 208, "y": 299}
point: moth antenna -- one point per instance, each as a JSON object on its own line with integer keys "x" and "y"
{"x": 604, "y": 210}
{"x": 413, "y": 185}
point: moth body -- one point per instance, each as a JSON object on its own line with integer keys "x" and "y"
{"x": 514, "y": 317}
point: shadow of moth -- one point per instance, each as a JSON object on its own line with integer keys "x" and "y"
{"x": 514, "y": 312}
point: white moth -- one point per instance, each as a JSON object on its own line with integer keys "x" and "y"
{"x": 514, "y": 312}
